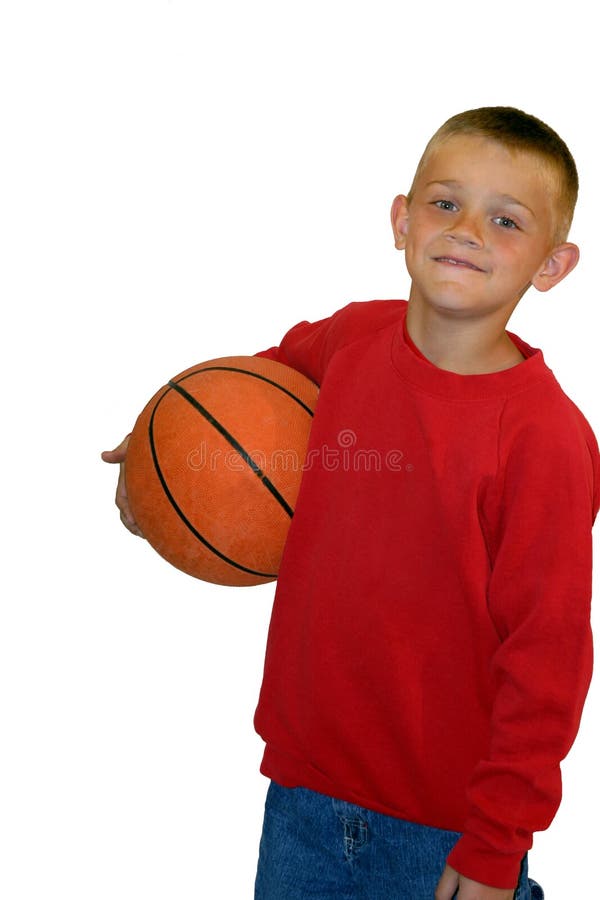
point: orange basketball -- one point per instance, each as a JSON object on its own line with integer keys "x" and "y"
{"x": 214, "y": 466}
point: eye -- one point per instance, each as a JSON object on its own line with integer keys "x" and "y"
{"x": 505, "y": 222}
{"x": 445, "y": 204}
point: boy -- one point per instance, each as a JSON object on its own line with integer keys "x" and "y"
{"x": 429, "y": 650}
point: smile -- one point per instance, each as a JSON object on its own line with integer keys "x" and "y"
{"x": 455, "y": 261}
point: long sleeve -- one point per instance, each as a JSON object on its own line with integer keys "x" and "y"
{"x": 539, "y": 601}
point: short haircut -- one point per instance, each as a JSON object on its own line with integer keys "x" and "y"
{"x": 522, "y": 132}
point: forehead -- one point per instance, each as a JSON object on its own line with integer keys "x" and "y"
{"x": 480, "y": 163}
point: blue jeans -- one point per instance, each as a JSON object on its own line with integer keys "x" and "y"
{"x": 316, "y": 848}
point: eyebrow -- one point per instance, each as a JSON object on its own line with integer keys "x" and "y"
{"x": 505, "y": 198}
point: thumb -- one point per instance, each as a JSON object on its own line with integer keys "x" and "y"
{"x": 118, "y": 454}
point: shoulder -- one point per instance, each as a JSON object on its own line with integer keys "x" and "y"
{"x": 543, "y": 411}
{"x": 378, "y": 313}
{"x": 544, "y": 433}
{"x": 310, "y": 346}
{"x": 358, "y": 319}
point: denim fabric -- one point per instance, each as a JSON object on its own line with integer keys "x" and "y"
{"x": 316, "y": 848}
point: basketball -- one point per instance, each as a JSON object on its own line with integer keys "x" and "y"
{"x": 214, "y": 465}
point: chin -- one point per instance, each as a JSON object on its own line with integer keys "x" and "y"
{"x": 452, "y": 302}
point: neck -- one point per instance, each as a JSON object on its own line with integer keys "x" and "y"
{"x": 461, "y": 345}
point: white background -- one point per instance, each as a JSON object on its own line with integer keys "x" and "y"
{"x": 182, "y": 181}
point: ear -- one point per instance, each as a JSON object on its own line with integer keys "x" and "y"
{"x": 557, "y": 266}
{"x": 400, "y": 220}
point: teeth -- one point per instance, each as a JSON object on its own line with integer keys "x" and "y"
{"x": 455, "y": 262}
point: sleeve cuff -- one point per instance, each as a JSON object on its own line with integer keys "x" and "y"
{"x": 475, "y": 859}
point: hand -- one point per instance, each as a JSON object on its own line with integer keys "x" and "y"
{"x": 453, "y": 886}
{"x": 118, "y": 456}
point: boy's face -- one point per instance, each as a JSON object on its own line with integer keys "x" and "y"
{"x": 479, "y": 228}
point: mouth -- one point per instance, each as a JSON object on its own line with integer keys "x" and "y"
{"x": 459, "y": 263}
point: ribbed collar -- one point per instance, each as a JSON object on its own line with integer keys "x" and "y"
{"x": 411, "y": 365}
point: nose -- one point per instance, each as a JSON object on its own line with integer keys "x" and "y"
{"x": 465, "y": 230}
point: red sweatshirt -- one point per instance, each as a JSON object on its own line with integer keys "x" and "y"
{"x": 430, "y": 649}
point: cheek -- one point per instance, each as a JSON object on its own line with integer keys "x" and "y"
{"x": 414, "y": 244}
{"x": 512, "y": 254}
{"x": 516, "y": 265}
{"x": 418, "y": 235}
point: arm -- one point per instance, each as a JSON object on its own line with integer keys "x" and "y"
{"x": 307, "y": 347}
{"x": 539, "y": 601}
{"x": 303, "y": 348}
{"x": 305, "y": 341}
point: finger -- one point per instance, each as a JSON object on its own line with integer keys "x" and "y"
{"x": 131, "y": 525}
{"x": 447, "y": 885}
{"x": 122, "y": 502}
